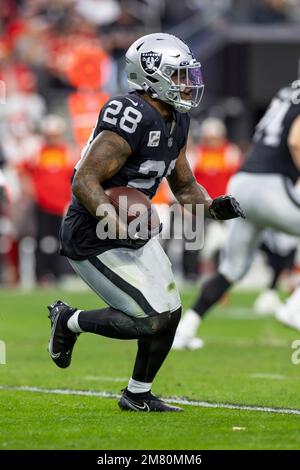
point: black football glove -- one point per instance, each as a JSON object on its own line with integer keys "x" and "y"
{"x": 225, "y": 207}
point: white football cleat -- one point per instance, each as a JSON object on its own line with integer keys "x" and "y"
{"x": 267, "y": 303}
{"x": 289, "y": 313}
{"x": 185, "y": 337}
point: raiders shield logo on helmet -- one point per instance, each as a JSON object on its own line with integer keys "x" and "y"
{"x": 150, "y": 61}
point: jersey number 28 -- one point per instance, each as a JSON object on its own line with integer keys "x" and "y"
{"x": 130, "y": 117}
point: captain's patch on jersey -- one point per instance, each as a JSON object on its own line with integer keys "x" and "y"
{"x": 154, "y": 138}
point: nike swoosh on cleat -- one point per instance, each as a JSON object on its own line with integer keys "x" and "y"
{"x": 138, "y": 407}
{"x": 133, "y": 102}
{"x": 52, "y": 354}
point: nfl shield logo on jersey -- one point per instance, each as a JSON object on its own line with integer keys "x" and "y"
{"x": 150, "y": 61}
{"x": 170, "y": 142}
{"x": 154, "y": 138}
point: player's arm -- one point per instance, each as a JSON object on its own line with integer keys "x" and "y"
{"x": 294, "y": 141}
{"x": 104, "y": 158}
{"x": 185, "y": 187}
{"x": 187, "y": 191}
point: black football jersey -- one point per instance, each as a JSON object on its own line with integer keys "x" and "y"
{"x": 155, "y": 145}
{"x": 269, "y": 152}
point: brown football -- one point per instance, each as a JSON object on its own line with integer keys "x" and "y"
{"x": 132, "y": 203}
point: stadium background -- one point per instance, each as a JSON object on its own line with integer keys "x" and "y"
{"x": 59, "y": 62}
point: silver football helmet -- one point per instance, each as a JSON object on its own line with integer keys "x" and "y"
{"x": 163, "y": 66}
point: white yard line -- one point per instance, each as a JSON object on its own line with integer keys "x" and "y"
{"x": 176, "y": 400}
{"x": 100, "y": 378}
{"x": 247, "y": 342}
{"x": 236, "y": 313}
{"x": 266, "y": 375}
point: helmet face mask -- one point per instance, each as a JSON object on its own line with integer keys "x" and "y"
{"x": 164, "y": 67}
{"x": 185, "y": 79}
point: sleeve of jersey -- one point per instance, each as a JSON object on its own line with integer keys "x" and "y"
{"x": 123, "y": 117}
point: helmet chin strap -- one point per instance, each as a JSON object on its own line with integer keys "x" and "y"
{"x": 148, "y": 89}
{"x": 181, "y": 107}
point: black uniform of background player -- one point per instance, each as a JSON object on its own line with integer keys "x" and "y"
{"x": 269, "y": 152}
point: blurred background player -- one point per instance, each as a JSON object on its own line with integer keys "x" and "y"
{"x": 214, "y": 159}
{"x": 265, "y": 185}
{"x": 280, "y": 252}
{"x": 50, "y": 172}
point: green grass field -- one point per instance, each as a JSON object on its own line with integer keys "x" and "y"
{"x": 246, "y": 361}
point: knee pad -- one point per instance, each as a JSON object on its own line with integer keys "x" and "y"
{"x": 156, "y": 324}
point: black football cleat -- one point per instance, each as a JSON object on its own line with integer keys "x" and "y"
{"x": 144, "y": 402}
{"x": 62, "y": 340}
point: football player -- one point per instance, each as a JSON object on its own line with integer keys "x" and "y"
{"x": 139, "y": 138}
{"x": 265, "y": 187}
